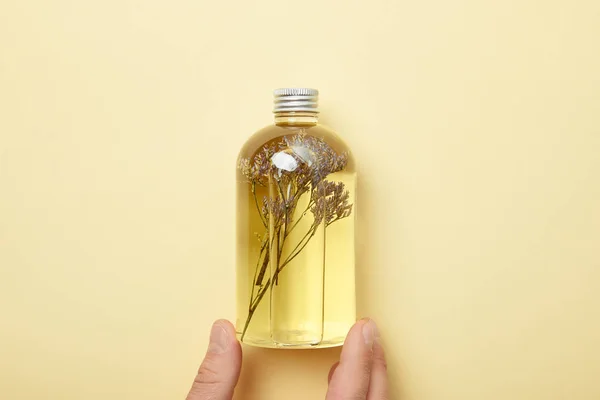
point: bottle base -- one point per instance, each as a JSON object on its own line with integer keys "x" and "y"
{"x": 333, "y": 335}
{"x": 272, "y": 344}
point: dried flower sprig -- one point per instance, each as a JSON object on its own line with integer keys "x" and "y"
{"x": 294, "y": 166}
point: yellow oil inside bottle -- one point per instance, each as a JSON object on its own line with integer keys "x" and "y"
{"x": 295, "y": 237}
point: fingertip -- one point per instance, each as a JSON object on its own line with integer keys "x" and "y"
{"x": 225, "y": 324}
{"x": 359, "y": 335}
{"x": 230, "y": 337}
{"x": 356, "y": 360}
{"x": 357, "y": 327}
{"x": 228, "y": 326}
{"x": 370, "y": 332}
{"x": 220, "y": 369}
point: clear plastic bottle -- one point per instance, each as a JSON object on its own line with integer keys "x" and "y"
{"x": 295, "y": 230}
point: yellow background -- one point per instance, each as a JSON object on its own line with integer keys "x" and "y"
{"x": 476, "y": 125}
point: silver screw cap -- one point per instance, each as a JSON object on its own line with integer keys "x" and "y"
{"x": 296, "y": 100}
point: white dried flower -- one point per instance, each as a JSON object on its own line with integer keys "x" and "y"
{"x": 284, "y": 161}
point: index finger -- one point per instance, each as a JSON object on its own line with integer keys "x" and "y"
{"x": 352, "y": 376}
{"x": 378, "y": 386}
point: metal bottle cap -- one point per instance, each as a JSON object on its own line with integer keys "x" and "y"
{"x": 296, "y": 100}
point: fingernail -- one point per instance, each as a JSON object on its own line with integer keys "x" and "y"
{"x": 370, "y": 332}
{"x": 219, "y": 339}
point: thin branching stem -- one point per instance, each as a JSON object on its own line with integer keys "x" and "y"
{"x": 262, "y": 218}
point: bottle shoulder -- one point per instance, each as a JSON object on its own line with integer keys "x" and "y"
{"x": 283, "y": 134}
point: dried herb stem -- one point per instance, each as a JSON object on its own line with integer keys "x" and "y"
{"x": 310, "y": 204}
{"x": 262, "y": 218}
{"x": 263, "y": 247}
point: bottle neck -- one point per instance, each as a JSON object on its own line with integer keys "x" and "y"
{"x": 296, "y": 118}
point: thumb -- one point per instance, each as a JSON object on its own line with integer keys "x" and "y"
{"x": 220, "y": 369}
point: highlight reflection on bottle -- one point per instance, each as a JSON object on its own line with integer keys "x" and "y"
{"x": 295, "y": 230}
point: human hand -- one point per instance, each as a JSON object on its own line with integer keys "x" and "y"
{"x": 361, "y": 373}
